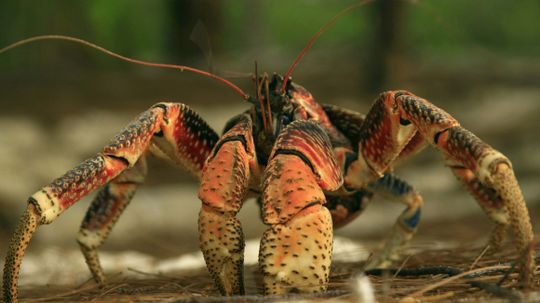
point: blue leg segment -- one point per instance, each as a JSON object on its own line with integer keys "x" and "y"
{"x": 395, "y": 189}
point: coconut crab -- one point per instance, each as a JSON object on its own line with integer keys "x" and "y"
{"x": 314, "y": 167}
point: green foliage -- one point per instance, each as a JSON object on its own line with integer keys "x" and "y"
{"x": 139, "y": 28}
{"x": 129, "y": 27}
{"x": 461, "y": 26}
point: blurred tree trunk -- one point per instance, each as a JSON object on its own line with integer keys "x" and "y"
{"x": 387, "y": 57}
{"x": 184, "y": 15}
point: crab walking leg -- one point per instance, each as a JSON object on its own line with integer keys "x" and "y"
{"x": 390, "y": 186}
{"x": 184, "y": 138}
{"x": 390, "y": 133}
{"x": 188, "y": 140}
{"x": 49, "y": 202}
{"x": 491, "y": 168}
{"x": 21, "y": 237}
{"x": 383, "y": 138}
{"x": 490, "y": 201}
{"x": 224, "y": 184}
{"x": 496, "y": 181}
{"x": 103, "y": 213}
{"x": 296, "y": 250}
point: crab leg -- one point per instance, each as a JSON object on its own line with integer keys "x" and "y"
{"x": 490, "y": 167}
{"x": 382, "y": 140}
{"x": 45, "y": 205}
{"x": 295, "y": 251}
{"x": 184, "y": 138}
{"x": 489, "y": 200}
{"x": 103, "y": 213}
{"x": 179, "y": 134}
{"x": 395, "y": 119}
{"x": 224, "y": 184}
{"x": 49, "y": 202}
{"x": 393, "y": 188}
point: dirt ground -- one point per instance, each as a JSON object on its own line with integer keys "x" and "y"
{"x": 434, "y": 250}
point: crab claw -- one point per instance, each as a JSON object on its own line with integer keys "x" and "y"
{"x": 296, "y": 250}
{"x": 224, "y": 185}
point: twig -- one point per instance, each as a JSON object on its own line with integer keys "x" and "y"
{"x": 110, "y": 290}
{"x": 401, "y": 266}
{"x": 479, "y": 257}
{"x": 437, "y": 270}
{"x": 65, "y": 294}
{"x": 437, "y": 297}
{"x": 497, "y": 290}
{"x": 455, "y": 273}
{"x": 260, "y": 298}
{"x": 507, "y": 274}
{"x": 159, "y": 275}
{"x": 450, "y": 279}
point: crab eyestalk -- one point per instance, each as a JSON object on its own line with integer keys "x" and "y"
{"x": 27, "y": 226}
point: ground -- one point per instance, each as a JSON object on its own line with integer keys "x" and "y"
{"x": 442, "y": 243}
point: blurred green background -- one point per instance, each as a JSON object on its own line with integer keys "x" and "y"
{"x": 412, "y": 32}
{"x": 60, "y": 102}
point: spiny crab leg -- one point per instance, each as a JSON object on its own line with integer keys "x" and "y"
{"x": 491, "y": 168}
{"x": 103, "y": 213}
{"x": 490, "y": 201}
{"x": 397, "y": 117}
{"x": 28, "y": 224}
{"x": 167, "y": 130}
{"x": 48, "y": 203}
{"x": 295, "y": 251}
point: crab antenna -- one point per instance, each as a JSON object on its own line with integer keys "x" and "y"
{"x": 269, "y": 110}
{"x": 118, "y": 56}
{"x": 323, "y": 28}
{"x": 258, "y": 95}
